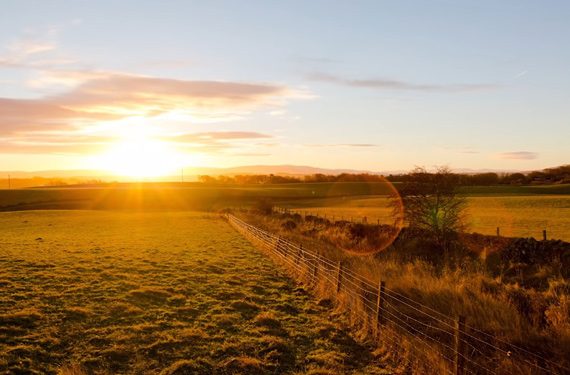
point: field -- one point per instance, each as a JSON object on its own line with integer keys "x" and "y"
{"x": 175, "y": 196}
{"x": 108, "y": 292}
{"x": 523, "y": 211}
{"x": 516, "y": 216}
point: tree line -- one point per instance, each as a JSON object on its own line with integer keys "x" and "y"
{"x": 558, "y": 175}
{"x": 278, "y": 179}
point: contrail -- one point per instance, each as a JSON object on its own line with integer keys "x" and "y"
{"x": 520, "y": 74}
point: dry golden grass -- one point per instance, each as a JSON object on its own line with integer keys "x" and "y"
{"x": 537, "y": 321}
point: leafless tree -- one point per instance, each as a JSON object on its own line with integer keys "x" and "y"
{"x": 431, "y": 201}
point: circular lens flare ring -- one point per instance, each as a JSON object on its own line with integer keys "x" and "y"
{"x": 382, "y": 236}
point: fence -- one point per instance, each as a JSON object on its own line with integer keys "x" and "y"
{"x": 354, "y": 219}
{"x": 425, "y": 340}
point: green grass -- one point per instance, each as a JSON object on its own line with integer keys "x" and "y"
{"x": 176, "y": 196}
{"x": 104, "y": 292}
{"x": 196, "y": 196}
{"x": 521, "y": 216}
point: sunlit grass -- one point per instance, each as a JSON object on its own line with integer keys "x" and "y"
{"x": 103, "y": 292}
{"x": 516, "y": 216}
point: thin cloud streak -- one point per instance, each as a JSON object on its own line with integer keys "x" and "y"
{"x": 519, "y": 155}
{"x": 217, "y": 136}
{"x": 385, "y": 84}
{"x": 355, "y": 145}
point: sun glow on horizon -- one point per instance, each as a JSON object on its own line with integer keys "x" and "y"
{"x": 141, "y": 157}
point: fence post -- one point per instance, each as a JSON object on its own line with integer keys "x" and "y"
{"x": 364, "y": 220}
{"x": 380, "y": 304}
{"x": 498, "y": 232}
{"x": 459, "y": 357}
{"x": 299, "y": 254}
{"x": 338, "y": 277}
{"x": 544, "y": 234}
{"x": 315, "y": 267}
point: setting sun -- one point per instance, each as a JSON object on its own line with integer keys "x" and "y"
{"x": 140, "y": 158}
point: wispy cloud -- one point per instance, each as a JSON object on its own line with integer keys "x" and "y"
{"x": 352, "y": 145}
{"x": 386, "y": 84}
{"x": 217, "y": 136}
{"x": 37, "y": 41}
{"x": 248, "y": 154}
{"x": 518, "y": 155}
{"x": 104, "y": 97}
{"x": 94, "y": 99}
{"x": 55, "y": 144}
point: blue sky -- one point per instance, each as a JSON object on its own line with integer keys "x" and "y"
{"x": 376, "y": 85}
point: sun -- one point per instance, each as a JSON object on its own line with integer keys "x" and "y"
{"x": 141, "y": 157}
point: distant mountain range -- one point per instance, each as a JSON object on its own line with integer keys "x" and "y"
{"x": 192, "y": 173}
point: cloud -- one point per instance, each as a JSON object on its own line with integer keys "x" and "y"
{"x": 58, "y": 144}
{"x": 385, "y": 84}
{"x": 208, "y": 137}
{"x": 246, "y": 154}
{"x": 150, "y": 96}
{"x": 37, "y": 41}
{"x": 519, "y": 155}
{"x": 355, "y": 145}
{"x": 105, "y": 97}
{"x": 28, "y": 115}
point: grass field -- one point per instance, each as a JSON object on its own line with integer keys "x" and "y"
{"x": 102, "y": 292}
{"x": 175, "y": 196}
{"x": 516, "y": 216}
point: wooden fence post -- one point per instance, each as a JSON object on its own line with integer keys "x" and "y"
{"x": 315, "y": 267}
{"x": 460, "y": 352}
{"x": 498, "y": 232}
{"x": 299, "y": 254}
{"x": 380, "y": 304}
{"x": 364, "y": 220}
{"x": 544, "y": 234}
{"x": 338, "y": 277}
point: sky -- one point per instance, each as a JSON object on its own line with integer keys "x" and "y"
{"x": 145, "y": 86}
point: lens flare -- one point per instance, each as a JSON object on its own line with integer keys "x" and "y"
{"x": 369, "y": 237}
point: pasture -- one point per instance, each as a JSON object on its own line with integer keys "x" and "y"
{"x": 516, "y": 216}
{"x": 108, "y": 292}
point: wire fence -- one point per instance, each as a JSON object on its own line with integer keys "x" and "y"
{"x": 355, "y": 218}
{"x": 424, "y": 340}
